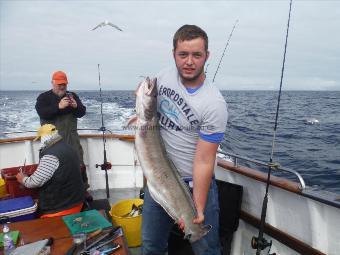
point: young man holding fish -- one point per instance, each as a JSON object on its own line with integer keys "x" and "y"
{"x": 192, "y": 118}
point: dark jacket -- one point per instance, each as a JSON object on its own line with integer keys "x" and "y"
{"x": 65, "y": 189}
{"x": 65, "y": 120}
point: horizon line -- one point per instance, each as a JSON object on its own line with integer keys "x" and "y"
{"x": 92, "y": 90}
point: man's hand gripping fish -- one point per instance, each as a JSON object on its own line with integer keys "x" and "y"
{"x": 164, "y": 183}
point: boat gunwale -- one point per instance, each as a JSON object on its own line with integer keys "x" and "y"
{"x": 279, "y": 182}
{"x": 260, "y": 176}
{"x": 331, "y": 199}
{"x": 125, "y": 137}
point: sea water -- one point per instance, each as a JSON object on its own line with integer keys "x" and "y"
{"x": 309, "y": 147}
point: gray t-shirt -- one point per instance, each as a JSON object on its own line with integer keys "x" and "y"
{"x": 187, "y": 115}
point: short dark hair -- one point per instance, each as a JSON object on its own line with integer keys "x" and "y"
{"x": 190, "y": 32}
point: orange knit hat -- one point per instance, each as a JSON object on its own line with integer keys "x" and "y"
{"x": 59, "y": 77}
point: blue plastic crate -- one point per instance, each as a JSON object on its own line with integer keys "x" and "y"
{"x": 18, "y": 209}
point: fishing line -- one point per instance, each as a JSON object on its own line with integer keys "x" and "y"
{"x": 106, "y": 165}
{"x": 260, "y": 243}
{"x": 206, "y": 69}
{"x": 225, "y": 48}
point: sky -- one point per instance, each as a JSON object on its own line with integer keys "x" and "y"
{"x": 40, "y": 37}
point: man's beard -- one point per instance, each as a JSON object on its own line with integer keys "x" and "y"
{"x": 60, "y": 93}
{"x": 192, "y": 78}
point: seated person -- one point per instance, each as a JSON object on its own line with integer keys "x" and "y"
{"x": 58, "y": 176}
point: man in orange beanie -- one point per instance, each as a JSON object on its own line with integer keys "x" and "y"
{"x": 61, "y": 108}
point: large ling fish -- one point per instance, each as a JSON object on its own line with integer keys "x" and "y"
{"x": 165, "y": 184}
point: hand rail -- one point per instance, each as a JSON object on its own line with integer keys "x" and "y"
{"x": 34, "y": 131}
{"x": 18, "y": 132}
{"x": 262, "y": 163}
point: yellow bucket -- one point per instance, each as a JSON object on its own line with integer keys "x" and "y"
{"x": 132, "y": 226}
{"x": 3, "y": 191}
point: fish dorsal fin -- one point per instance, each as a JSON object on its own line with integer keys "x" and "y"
{"x": 132, "y": 120}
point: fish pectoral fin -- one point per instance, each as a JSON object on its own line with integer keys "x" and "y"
{"x": 139, "y": 84}
{"x": 132, "y": 121}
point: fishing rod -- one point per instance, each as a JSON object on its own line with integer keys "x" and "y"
{"x": 260, "y": 243}
{"x": 225, "y": 48}
{"x": 106, "y": 165}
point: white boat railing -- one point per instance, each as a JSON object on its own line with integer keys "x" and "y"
{"x": 236, "y": 157}
{"x": 233, "y": 156}
{"x": 34, "y": 131}
{"x": 18, "y": 132}
{"x": 99, "y": 130}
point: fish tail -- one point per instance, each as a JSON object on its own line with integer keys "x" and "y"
{"x": 203, "y": 230}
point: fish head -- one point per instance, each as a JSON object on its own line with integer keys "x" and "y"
{"x": 146, "y": 99}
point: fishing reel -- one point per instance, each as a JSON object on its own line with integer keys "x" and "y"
{"x": 261, "y": 243}
{"x": 104, "y": 166}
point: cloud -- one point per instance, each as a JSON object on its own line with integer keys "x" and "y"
{"x": 39, "y": 37}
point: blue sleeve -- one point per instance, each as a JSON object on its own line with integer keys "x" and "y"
{"x": 212, "y": 138}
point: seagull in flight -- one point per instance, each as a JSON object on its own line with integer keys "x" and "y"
{"x": 105, "y": 23}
